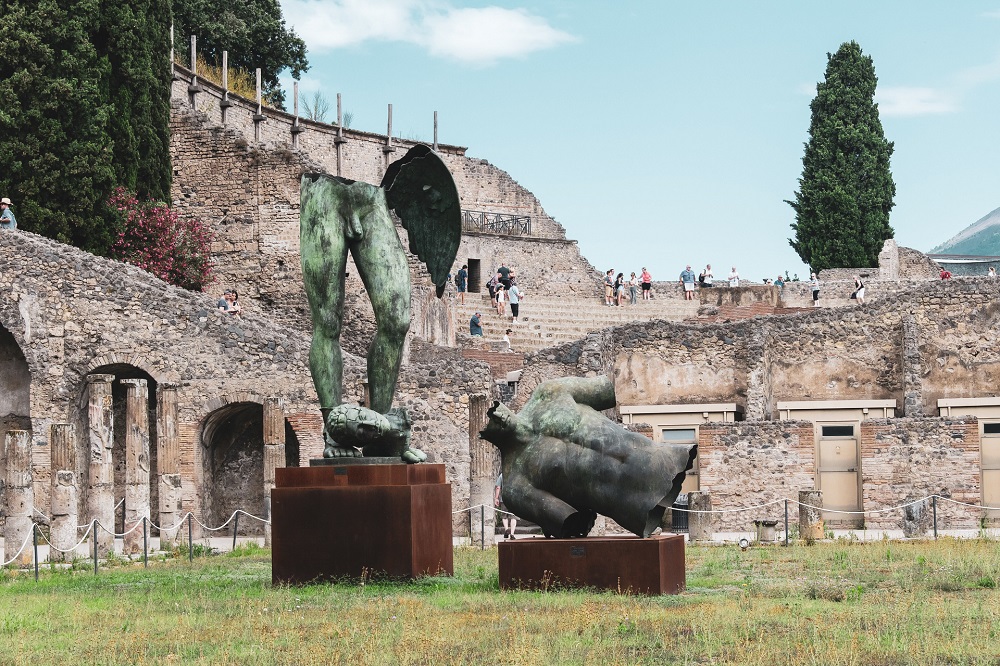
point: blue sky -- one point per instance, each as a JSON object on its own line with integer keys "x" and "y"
{"x": 662, "y": 133}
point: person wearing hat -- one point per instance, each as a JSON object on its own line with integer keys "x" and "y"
{"x": 7, "y": 219}
{"x": 476, "y": 325}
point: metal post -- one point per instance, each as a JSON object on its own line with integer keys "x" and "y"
{"x": 934, "y": 506}
{"x": 435, "y": 131}
{"x": 145, "y": 544}
{"x": 236, "y": 528}
{"x": 786, "y": 521}
{"x": 482, "y": 527}
{"x": 190, "y": 539}
{"x": 93, "y": 535}
{"x": 34, "y": 539}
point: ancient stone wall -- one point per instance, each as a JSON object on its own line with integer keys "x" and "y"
{"x": 904, "y": 459}
{"x": 746, "y": 465}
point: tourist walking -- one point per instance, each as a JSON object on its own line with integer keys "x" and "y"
{"x": 514, "y": 295}
{"x": 814, "y": 285}
{"x": 647, "y": 284}
{"x": 7, "y": 219}
{"x": 734, "y": 278}
{"x": 992, "y": 272}
{"x": 859, "y": 290}
{"x": 609, "y": 286}
{"x": 462, "y": 282}
{"x": 687, "y": 281}
{"x": 506, "y": 338}
{"x": 501, "y": 300}
{"x": 633, "y": 289}
{"x": 620, "y": 289}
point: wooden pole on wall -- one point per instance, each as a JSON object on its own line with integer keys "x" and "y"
{"x": 339, "y": 140}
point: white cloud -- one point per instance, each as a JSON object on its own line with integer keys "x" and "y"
{"x": 995, "y": 14}
{"x": 475, "y": 36}
{"x": 909, "y": 101}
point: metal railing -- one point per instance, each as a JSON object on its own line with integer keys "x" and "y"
{"x": 503, "y": 224}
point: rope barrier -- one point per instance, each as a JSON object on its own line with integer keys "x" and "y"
{"x": 90, "y": 525}
{"x": 23, "y": 546}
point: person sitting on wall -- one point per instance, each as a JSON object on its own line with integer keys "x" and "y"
{"x": 7, "y": 219}
{"x": 476, "y": 325}
{"x": 945, "y": 274}
{"x": 224, "y": 301}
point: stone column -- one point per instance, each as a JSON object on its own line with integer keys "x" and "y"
{"x": 136, "y": 461}
{"x": 483, "y": 468}
{"x": 917, "y": 517}
{"x": 912, "y": 370}
{"x": 759, "y": 395}
{"x": 810, "y": 519}
{"x": 65, "y": 513}
{"x": 101, "y": 496}
{"x": 700, "y": 524}
{"x": 274, "y": 453}
{"x": 168, "y": 462}
{"x": 20, "y": 496}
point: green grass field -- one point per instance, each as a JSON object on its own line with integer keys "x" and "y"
{"x": 830, "y": 603}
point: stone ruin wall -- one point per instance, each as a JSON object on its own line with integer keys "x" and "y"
{"x": 248, "y": 192}
{"x": 71, "y": 314}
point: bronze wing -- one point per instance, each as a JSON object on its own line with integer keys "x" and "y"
{"x": 420, "y": 189}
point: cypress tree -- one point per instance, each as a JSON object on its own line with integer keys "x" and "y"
{"x": 135, "y": 39}
{"x": 846, "y": 190}
{"x": 55, "y": 151}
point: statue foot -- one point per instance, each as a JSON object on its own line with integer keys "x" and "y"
{"x": 335, "y": 451}
{"x": 355, "y": 425}
{"x": 412, "y": 455}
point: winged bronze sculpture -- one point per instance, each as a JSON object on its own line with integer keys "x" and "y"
{"x": 337, "y": 216}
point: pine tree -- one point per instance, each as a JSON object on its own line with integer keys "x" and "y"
{"x": 55, "y": 151}
{"x": 846, "y": 190}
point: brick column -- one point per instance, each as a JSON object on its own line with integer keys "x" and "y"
{"x": 64, "y": 497}
{"x": 136, "y": 461}
{"x": 101, "y": 495}
{"x": 20, "y": 496}
{"x": 274, "y": 453}
{"x": 168, "y": 461}
{"x": 483, "y": 467}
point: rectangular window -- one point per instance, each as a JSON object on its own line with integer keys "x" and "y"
{"x": 838, "y": 431}
{"x": 991, "y": 428}
{"x": 680, "y": 435}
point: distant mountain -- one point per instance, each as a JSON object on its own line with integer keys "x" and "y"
{"x": 979, "y": 239}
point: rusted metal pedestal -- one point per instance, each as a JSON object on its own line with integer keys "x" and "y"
{"x": 639, "y": 566}
{"x": 351, "y": 520}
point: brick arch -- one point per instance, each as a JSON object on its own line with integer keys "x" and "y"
{"x": 136, "y": 360}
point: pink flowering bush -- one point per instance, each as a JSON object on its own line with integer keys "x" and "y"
{"x": 155, "y": 239}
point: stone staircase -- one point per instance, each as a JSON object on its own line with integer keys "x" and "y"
{"x": 548, "y": 320}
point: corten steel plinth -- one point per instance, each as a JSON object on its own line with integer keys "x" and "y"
{"x": 348, "y": 519}
{"x": 654, "y": 565}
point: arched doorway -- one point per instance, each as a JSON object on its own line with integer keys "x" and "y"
{"x": 15, "y": 400}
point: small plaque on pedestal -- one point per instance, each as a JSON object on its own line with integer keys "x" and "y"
{"x": 629, "y": 564}
{"x": 351, "y": 520}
